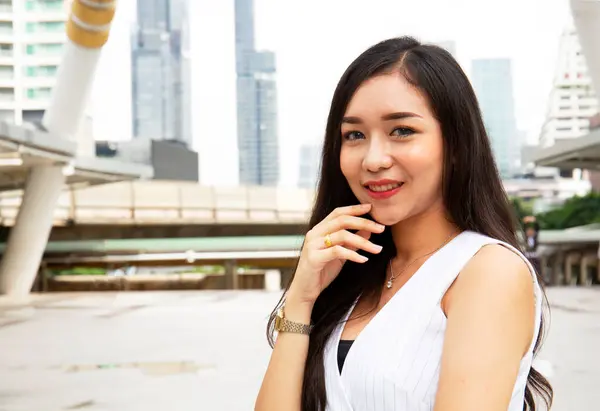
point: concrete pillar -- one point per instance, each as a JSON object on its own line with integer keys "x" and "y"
{"x": 87, "y": 31}
{"x": 557, "y": 268}
{"x": 583, "y": 274}
{"x": 231, "y": 277}
{"x": 568, "y": 269}
{"x": 569, "y": 261}
{"x": 28, "y": 237}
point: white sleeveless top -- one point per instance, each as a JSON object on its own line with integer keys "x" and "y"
{"x": 394, "y": 363}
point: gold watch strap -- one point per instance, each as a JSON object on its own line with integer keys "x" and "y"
{"x": 282, "y": 324}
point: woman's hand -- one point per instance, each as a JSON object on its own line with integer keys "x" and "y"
{"x": 320, "y": 263}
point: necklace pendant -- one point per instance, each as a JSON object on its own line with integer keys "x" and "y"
{"x": 389, "y": 284}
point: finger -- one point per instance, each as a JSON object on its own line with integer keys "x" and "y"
{"x": 364, "y": 234}
{"x": 337, "y": 252}
{"x": 357, "y": 209}
{"x": 353, "y": 242}
{"x": 348, "y": 222}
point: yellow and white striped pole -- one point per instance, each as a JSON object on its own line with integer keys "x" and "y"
{"x": 87, "y": 29}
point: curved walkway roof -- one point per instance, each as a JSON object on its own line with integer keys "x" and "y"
{"x": 24, "y": 147}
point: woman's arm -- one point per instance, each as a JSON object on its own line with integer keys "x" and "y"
{"x": 490, "y": 310}
{"x": 327, "y": 246}
{"x": 282, "y": 385}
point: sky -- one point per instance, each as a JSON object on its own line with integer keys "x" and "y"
{"x": 314, "y": 41}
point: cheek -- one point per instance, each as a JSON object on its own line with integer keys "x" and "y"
{"x": 424, "y": 166}
{"x": 423, "y": 161}
{"x": 349, "y": 164}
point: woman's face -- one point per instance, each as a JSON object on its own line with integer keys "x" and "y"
{"x": 392, "y": 150}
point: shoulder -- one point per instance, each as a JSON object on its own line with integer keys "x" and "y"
{"x": 498, "y": 271}
{"x": 490, "y": 327}
{"x": 496, "y": 280}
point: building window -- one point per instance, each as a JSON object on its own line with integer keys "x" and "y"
{"x": 49, "y": 49}
{"x": 41, "y": 71}
{"x": 6, "y": 6}
{"x": 6, "y": 50}
{"x": 6, "y": 27}
{"x": 41, "y": 5}
{"x": 7, "y": 94}
{"x": 45, "y": 27}
{"x": 6, "y": 72}
{"x": 39, "y": 93}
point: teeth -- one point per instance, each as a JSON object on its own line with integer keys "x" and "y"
{"x": 386, "y": 187}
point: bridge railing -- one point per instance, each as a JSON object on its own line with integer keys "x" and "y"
{"x": 171, "y": 202}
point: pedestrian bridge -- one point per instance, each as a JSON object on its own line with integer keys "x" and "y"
{"x": 567, "y": 256}
{"x": 170, "y": 203}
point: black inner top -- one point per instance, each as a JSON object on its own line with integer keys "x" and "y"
{"x": 343, "y": 349}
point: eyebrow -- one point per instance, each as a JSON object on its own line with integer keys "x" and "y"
{"x": 391, "y": 116}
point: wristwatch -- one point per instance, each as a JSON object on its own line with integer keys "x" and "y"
{"x": 282, "y": 324}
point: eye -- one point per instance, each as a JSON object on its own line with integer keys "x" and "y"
{"x": 402, "y": 132}
{"x": 353, "y": 135}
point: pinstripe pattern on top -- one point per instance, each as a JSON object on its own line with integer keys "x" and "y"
{"x": 394, "y": 363}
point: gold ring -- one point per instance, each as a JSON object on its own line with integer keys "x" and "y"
{"x": 328, "y": 242}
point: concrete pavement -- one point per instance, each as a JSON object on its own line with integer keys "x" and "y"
{"x": 207, "y": 351}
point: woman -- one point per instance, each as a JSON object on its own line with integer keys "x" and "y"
{"x": 410, "y": 293}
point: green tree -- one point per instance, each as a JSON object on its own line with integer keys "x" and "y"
{"x": 575, "y": 212}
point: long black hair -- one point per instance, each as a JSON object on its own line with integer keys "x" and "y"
{"x": 482, "y": 205}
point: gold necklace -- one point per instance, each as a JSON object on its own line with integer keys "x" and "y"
{"x": 393, "y": 276}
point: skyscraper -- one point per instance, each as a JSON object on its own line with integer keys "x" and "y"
{"x": 572, "y": 99}
{"x": 158, "y": 71}
{"x": 256, "y": 104}
{"x": 492, "y": 81}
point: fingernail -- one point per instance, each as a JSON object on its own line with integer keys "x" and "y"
{"x": 364, "y": 259}
{"x": 378, "y": 248}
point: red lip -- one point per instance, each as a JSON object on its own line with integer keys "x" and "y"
{"x": 382, "y": 195}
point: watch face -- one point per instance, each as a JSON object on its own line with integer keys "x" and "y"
{"x": 277, "y": 323}
{"x": 278, "y": 319}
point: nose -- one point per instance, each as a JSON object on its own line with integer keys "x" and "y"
{"x": 378, "y": 156}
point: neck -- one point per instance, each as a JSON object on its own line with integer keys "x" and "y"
{"x": 422, "y": 234}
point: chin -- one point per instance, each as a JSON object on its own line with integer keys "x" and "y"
{"x": 386, "y": 218}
